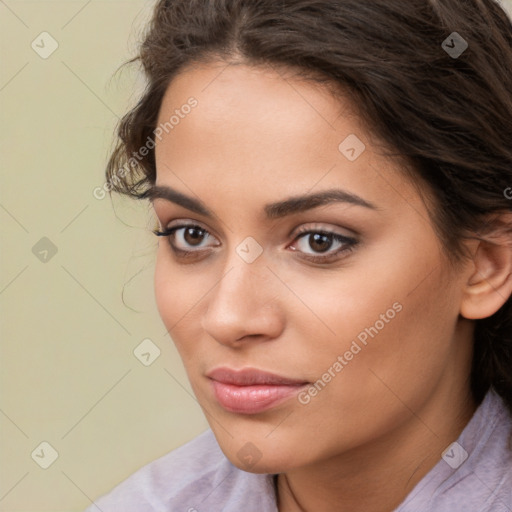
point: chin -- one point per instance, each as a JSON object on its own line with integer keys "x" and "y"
{"x": 264, "y": 466}
{"x": 255, "y": 454}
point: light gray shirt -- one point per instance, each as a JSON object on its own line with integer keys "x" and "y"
{"x": 474, "y": 474}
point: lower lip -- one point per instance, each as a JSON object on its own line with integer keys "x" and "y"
{"x": 252, "y": 399}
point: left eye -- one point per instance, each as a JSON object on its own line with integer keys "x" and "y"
{"x": 317, "y": 243}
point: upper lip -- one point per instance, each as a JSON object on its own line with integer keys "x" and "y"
{"x": 250, "y": 377}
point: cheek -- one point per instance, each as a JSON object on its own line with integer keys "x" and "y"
{"x": 178, "y": 288}
{"x": 392, "y": 347}
{"x": 175, "y": 294}
{"x": 165, "y": 282}
{"x": 394, "y": 325}
{"x": 181, "y": 294}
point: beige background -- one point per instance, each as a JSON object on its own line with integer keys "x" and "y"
{"x": 68, "y": 373}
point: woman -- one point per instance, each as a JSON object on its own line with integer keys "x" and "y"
{"x": 331, "y": 180}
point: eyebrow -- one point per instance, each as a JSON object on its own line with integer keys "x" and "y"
{"x": 290, "y": 206}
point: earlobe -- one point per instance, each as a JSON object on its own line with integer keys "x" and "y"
{"x": 490, "y": 284}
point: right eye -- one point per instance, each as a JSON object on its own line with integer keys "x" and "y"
{"x": 186, "y": 238}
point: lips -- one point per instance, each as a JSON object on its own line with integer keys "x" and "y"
{"x": 250, "y": 376}
{"x": 250, "y": 391}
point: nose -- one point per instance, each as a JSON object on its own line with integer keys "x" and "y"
{"x": 245, "y": 306}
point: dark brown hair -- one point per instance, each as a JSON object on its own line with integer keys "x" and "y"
{"x": 448, "y": 115}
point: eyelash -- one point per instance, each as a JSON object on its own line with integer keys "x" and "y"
{"x": 348, "y": 243}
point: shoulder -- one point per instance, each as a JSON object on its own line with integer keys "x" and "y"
{"x": 475, "y": 472}
{"x": 483, "y": 481}
{"x": 195, "y": 477}
{"x": 491, "y": 472}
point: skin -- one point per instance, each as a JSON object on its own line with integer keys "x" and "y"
{"x": 259, "y": 136}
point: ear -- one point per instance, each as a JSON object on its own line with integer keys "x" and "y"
{"x": 489, "y": 284}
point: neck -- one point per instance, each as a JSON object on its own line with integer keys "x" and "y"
{"x": 378, "y": 476}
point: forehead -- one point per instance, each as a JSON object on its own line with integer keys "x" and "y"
{"x": 272, "y": 84}
{"x": 254, "y": 126}
{"x": 251, "y": 102}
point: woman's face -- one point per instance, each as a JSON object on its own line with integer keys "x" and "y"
{"x": 349, "y": 296}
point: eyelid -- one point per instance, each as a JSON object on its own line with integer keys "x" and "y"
{"x": 318, "y": 227}
{"x": 294, "y": 234}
